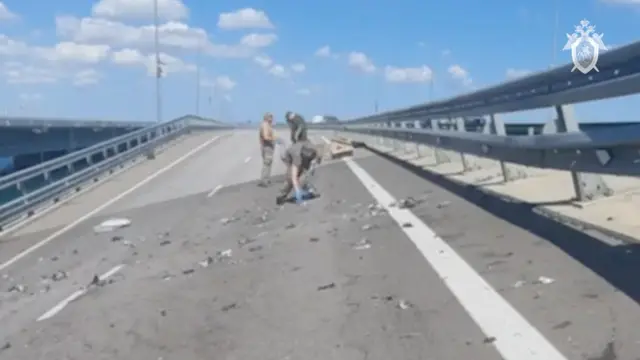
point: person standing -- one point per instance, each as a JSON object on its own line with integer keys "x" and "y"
{"x": 267, "y": 147}
{"x": 298, "y": 127}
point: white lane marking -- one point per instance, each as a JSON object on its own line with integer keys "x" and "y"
{"x": 516, "y": 338}
{"x": 93, "y": 212}
{"x": 214, "y": 191}
{"x": 247, "y": 159}
{"x": 76, "y": 295}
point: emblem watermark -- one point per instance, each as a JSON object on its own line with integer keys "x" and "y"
{"x": 585, "y": 45}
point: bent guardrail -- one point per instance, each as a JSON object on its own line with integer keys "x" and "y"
{"x": 613, "y": 151}
{"x": 51, "y": 180}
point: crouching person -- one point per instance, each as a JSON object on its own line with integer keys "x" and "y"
{"x": 299, "y": 159}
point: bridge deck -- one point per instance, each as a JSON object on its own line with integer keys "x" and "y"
{"x": 408, "y": 296}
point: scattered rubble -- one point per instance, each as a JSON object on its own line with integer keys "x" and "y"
{"x": 226, "y": 221}
{"x": 404, "y": 304}
{"x": 407, "y": 225}
{"x": 327, "y": 287}
{"x": 59, "y": 276}
{"x": 111, "y": 225}
{"x": 6, "y": 346}
{"x": 206, "y": 262}
{"x": 229, "y": 307}
{"x": 362, "y": 244}
{"x": 314, "y": 239}
{"x": 290, "y": 226}
{"x": 246, "y": 241}
{"x": 489, "y": 340}
{"x": 165, "y": 242}
{"x": 544, "y": 280}
{"x": 188, "y": 271}
{"x": 443, "y": 204}
{"x": 117, "y": 238}
{"x": 255, "y": 248}
{"x": 18, "y": 288}
{"x": 368, "y": 227}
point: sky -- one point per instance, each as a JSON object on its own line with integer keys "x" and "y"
{"x": 96, "y": 60}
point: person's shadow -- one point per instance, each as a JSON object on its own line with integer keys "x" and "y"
{"x": 312, "y": 196}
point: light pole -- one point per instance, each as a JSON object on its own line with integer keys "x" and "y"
{"x": 152, "y": 153}
{"x": 198, "y": 79}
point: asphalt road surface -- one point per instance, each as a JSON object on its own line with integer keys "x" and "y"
{"x": 388, "y": 263}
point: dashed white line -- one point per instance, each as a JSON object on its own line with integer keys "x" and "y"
{"x": 247, "y": 159}
{"x": 93, "y": 212}
{"x": 76, "y": 295}
{"x": 516, "y": 338}
{"x": 214, "y": 191}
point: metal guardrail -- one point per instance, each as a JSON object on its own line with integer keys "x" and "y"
{"x": 612, "y": 151}
{"x": 59, "y": 176}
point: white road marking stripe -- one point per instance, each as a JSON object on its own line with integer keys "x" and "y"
{"x": 93, "y": 212}
{"x": 516, "y": 338}
{"x": 214, "y": 191}
{"x": 76, "y": 295}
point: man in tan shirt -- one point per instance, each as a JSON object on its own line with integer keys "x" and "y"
{"x": 267, "y": 147}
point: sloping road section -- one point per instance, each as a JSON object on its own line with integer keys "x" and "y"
{"x": 357, "y": 273}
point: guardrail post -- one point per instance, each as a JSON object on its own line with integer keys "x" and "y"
{"x": 417, "y": 125}
{"x": 586, "y": 186}
{"x": 407, "y": 140}
{"x": 495, "y": 126}
{"x": 438, "y": 154}
{"x": 461, "y": 128}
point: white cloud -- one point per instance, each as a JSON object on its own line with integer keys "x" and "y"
{"x": 19, "y": 73}
{"x": 408, "y": 75}
{"x": 278, "y": 71}
{"x": 246, "y": 18}
{"x": 222, "y": 82}
{"x": 86, "y": 77}
{"x": 171, "y": 34}
{"x": 61, "y": 52}
{"x": 325, "y": 51}
{"x": 169, "y": 64}
{"x": 299, "y": 68}
{"x": 29, "y": 97}
{"x": 516, "y": 73}
{"x": 140, "y": 9}
{"x": 459, "y": 73}
{"x": 303, "y": 91}
{"x": 361, "y": 61}
{"x": 258, "y": 40}
{"x": 263, "y": 61}
{"x": 5, "y": 13}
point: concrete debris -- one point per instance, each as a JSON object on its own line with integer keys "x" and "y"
{"x": 326, "y": 287}
{"x": 55, "y": 258}
{"x": 96, "y": 281}
{"x": 404, "y": 304}
{"x": 255, "y": 248}
{"x": 226, "y": 221}
{"x": 165, "y": 242}
{"x": 376, "y": 209}
{"x": 408, "y": 203}
{"x": 6, "y": 346}
{"x": 443, "y": 204}
{"x": 246, "y": 241}
{"x": 117, "y": 238}
{"x": 188, "y": 271}
{"x": 111, "y": 225}
{"x": 223, "y": 254}
{"x": 164, "y": 235}
{"x": 519, "y": 284}
{"x": 407, "y": 225}
{"x": 363, "y": 244}
{"x": 59, "y": 276}
{"x": 489, "y": 340}
{"x": 163, "y": 312}
{"x": 128, "y": 244}
{"x": 206, "y": 262}
{"x": 229, "y": 307}
{"x": 368, "y": 227}
{"x": 314, "y": 239}
{"x": 545, "y": 280}
{"x": 290, "y": 226}
{"x": 18, "y": 288}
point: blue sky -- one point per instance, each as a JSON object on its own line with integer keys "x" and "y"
{"x": 80, "y": 59}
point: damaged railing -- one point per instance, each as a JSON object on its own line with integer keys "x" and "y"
{"x": 51, "y": 181}
{"x": 562, "y": 145}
